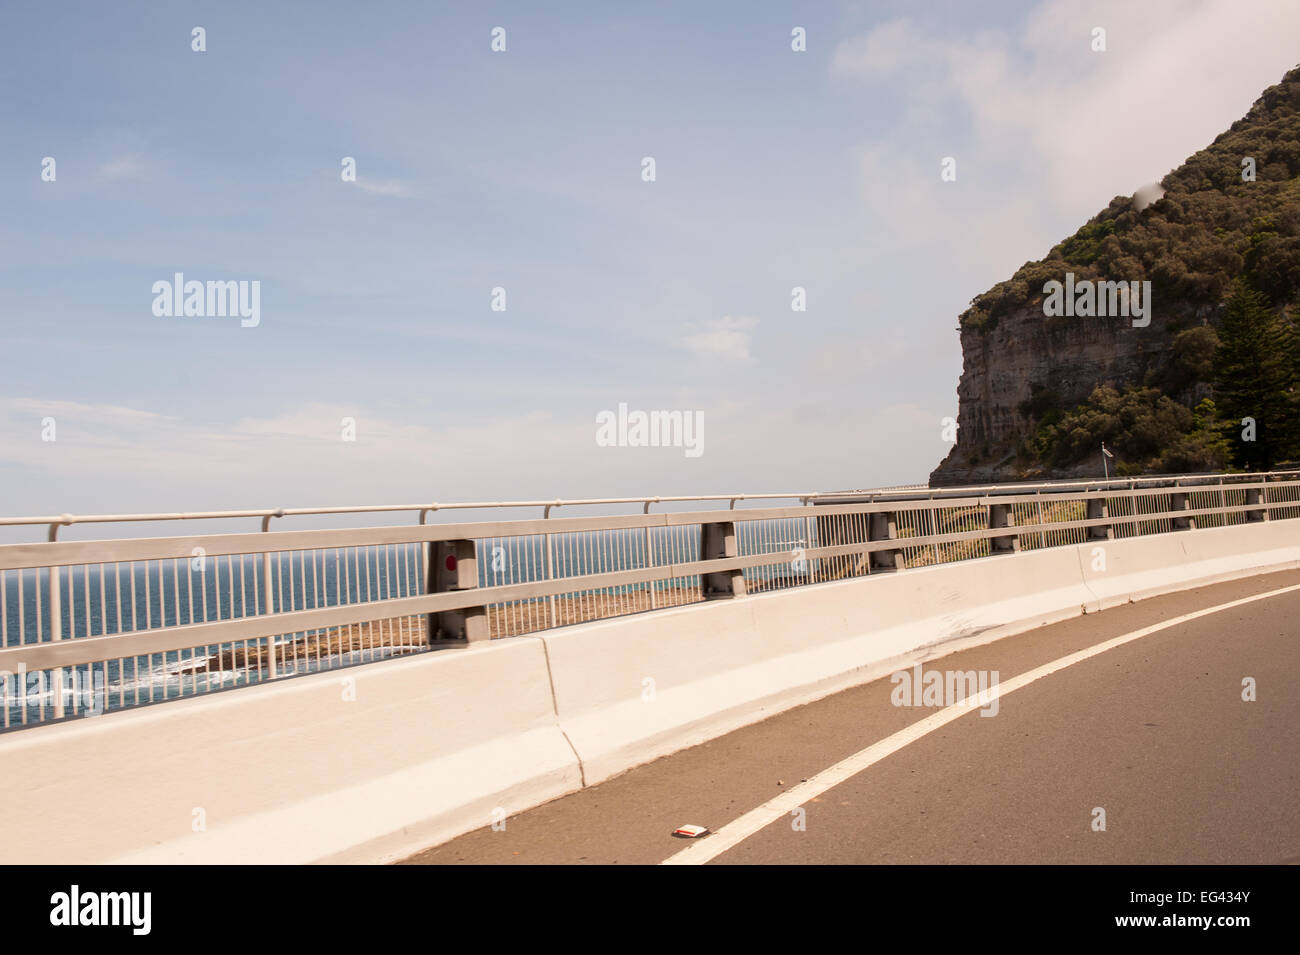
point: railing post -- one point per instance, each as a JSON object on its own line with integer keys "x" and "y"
{"x": 1134, "y": 529}
{"x": 426, "y": 562}
{"x": 268, "y": 595}
{"x": 1099, "y": 510}
{"x": 453, "y": 566}
{"x": 808, "y": 541}
{"x": 933, "y": 514}
{"x": 650, "y": 558}
{"x": 716, "y": 541}
{"x": 550, "y": 565}
{"x": 1256, "y": 495}
{"x": 1181, "y": 501}
{"x": 54, "y": 609}
{"x": 883, "y": 525}
{"x": 1000, "y": 516}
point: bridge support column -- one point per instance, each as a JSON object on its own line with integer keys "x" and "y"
{"x": 1255, "y": 495}
{"x": 884, "y": 526}
{"x": 1000, "y": 516}
{"x": 453, "y": 565}
{"x": 718, "y": 541}
{"x": 1098, "y": 510}
{"x": 1179, "y": 501}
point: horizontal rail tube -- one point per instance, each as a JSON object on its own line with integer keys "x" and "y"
{"x": 1201, "y": 480}
{"x": 65, "y": 553}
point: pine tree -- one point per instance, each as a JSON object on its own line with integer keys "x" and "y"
{"x": 1255, "y": 367}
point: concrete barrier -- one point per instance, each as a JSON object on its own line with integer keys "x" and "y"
{"x": 1138, "y": 567}
{"x": 633, "y": 689}
{"x": 295, "y": 771}
{"x": 431, "y": 745}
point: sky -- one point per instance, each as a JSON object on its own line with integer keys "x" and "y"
{"x": 523, "y": 169}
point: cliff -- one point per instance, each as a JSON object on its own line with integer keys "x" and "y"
{"x": 1215, "y": 224}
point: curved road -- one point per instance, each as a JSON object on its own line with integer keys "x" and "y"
{"x": 1155, "y": 732}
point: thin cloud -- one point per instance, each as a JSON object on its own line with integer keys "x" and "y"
{"x": 727, "y": 338}
{"x": 1026, "y": 111}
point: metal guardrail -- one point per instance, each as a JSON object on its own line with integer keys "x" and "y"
{"x": 88, "y": 626}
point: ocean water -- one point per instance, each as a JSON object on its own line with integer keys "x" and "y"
{"x": 103, "y": 600}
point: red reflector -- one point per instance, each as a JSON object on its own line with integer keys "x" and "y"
{"x": 451, "y": 561}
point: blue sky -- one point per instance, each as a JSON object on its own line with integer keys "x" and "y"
{"x": 522, "y": 170}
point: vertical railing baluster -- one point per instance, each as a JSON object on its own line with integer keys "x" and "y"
{"x": 268, "y": 598}
{"x": 550, "y": 563}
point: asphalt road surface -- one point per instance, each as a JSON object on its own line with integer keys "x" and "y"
{"x": 1154, "y": 731}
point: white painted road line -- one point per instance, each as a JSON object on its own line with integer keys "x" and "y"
{"x": 734, "y": 833}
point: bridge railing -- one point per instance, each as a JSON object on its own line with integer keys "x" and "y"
{"x": 88, "y": 626}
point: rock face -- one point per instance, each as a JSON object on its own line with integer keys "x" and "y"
{"x": 1002, "y": 365}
